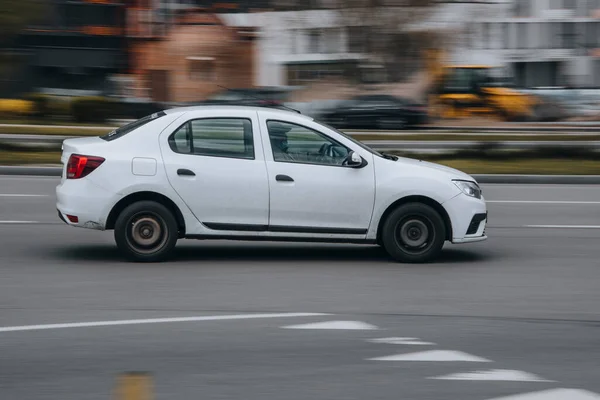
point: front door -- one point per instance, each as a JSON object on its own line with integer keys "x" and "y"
{"x": 217, "y": 168}
{"x": 311, "y": 192}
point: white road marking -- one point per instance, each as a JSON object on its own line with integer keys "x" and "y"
{"x": 19, "y": 222}
{"x": 341, "y": 325}
{"x": 401, "y": 340}
{"x": 493, "y": 375}
{"x": 541, "y": 202}
{"x": 554, "y": 394}
{"x": 433, "y": 355}
{"x": 563, "y": 226}
{"x": 155, "y": 321}
{"x": 22, "y": 195}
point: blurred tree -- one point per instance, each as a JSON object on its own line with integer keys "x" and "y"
{"x": 386, "y": 33}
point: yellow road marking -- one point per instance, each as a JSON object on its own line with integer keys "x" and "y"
{"x": 134, "y": 386}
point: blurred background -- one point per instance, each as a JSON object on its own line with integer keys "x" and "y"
{"x": 487, "y": 86}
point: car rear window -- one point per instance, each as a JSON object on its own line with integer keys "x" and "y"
{"x": 130, "y": 127}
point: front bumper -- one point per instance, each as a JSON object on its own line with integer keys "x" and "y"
{"x": 469, "y": 217}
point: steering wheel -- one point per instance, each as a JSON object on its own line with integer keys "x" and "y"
{"x": 331, "y": 150}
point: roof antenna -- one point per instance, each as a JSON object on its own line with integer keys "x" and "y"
{"x": 256, "y": 98}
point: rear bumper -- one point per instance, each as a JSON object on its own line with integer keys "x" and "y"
{"x": 62, "y": 217}
{"x": 85, "y": 200}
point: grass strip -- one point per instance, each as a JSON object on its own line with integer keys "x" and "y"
{"x": 547, "y": 166}
{"x": 29, "y": 157}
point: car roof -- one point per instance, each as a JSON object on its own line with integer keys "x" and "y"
{"x": 272, "y": 111}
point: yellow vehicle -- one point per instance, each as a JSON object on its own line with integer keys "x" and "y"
{"x": 459, "y": 91}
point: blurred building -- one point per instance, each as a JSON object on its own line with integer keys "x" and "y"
{"x": 541, "y": 43}
{"x": 183, "y": 55}
{"x": 73, "y": 51}
{"x": 93, "y": 47}
{"x": 299, "y": 47}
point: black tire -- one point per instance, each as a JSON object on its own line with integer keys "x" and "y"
{"x": 413, "y": 233}
{"x": 146, "y": 231}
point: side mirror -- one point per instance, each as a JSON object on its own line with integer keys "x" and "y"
{"x": 354, "y": 160}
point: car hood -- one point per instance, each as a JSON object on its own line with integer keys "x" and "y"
{"x": 451, "y": 172}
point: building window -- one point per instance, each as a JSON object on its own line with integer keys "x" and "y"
{"x": 293, "y": 34}
{"x": 555, "y": 35}
{"x": 314, "y": 38}
{"x": 504, "y": 35}
{"x": 356, "y": 39}
{"x": 485, "y": 35}
{"x": 522, "y": 38}
{"x": 522, "y": 8}
{"x": 569, "y": 36}
{"x": 511, "y": 31}
{"x": 331, "y": 40}
{"x": 593, "y": 32}
{"x": 201, "y": 68}
{"x": 303, "y": 74}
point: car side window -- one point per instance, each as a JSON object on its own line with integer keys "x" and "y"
{"x": 298, "y": 144}
{"x": 215, "y": 137}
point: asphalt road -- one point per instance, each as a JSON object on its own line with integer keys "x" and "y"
{"x": 521, "y": 307}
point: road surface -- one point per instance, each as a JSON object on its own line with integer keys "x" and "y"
{"x": 517, "y": 314}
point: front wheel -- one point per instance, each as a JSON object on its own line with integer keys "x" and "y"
{"x": 146, "y": 231}
{"x": 413, "y": 233}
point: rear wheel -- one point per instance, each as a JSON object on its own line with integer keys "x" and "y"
{"x": 413, "y": 233}
{"x": 146, "y": 231}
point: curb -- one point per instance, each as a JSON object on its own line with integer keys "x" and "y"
{"x": 481, "y": 178}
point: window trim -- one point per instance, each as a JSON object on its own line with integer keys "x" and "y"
{"x": 310, "y": 129}
{"x": 170, "y": 138}
{"x": 132, "y": 126}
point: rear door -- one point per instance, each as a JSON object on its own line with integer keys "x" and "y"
{"x": 215, "y": 162}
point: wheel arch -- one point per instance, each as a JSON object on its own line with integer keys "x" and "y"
{"x": 417, "y": 199}
{"x": 146, "y": 195}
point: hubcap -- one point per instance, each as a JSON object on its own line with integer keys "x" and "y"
{"x": 415, "y": 234}
{"x": 146, "y": 233}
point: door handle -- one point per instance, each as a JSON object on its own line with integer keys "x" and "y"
{"x": 284, "y": 178}
{"x": 185, "y": 172}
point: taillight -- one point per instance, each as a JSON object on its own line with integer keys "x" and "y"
{"x": 80, "y": 166}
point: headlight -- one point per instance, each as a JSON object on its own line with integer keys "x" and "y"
{"x": 469, "y": 188}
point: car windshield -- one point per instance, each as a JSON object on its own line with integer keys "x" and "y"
{"x": 130, "y": 127}
{"x": 362, "y": 145}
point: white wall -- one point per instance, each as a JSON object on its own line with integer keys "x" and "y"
{"x": 284, "y": 37}
{"x": 277, "y": 29}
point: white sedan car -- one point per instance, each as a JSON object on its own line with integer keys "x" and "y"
{"x": 244, "y": 173}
